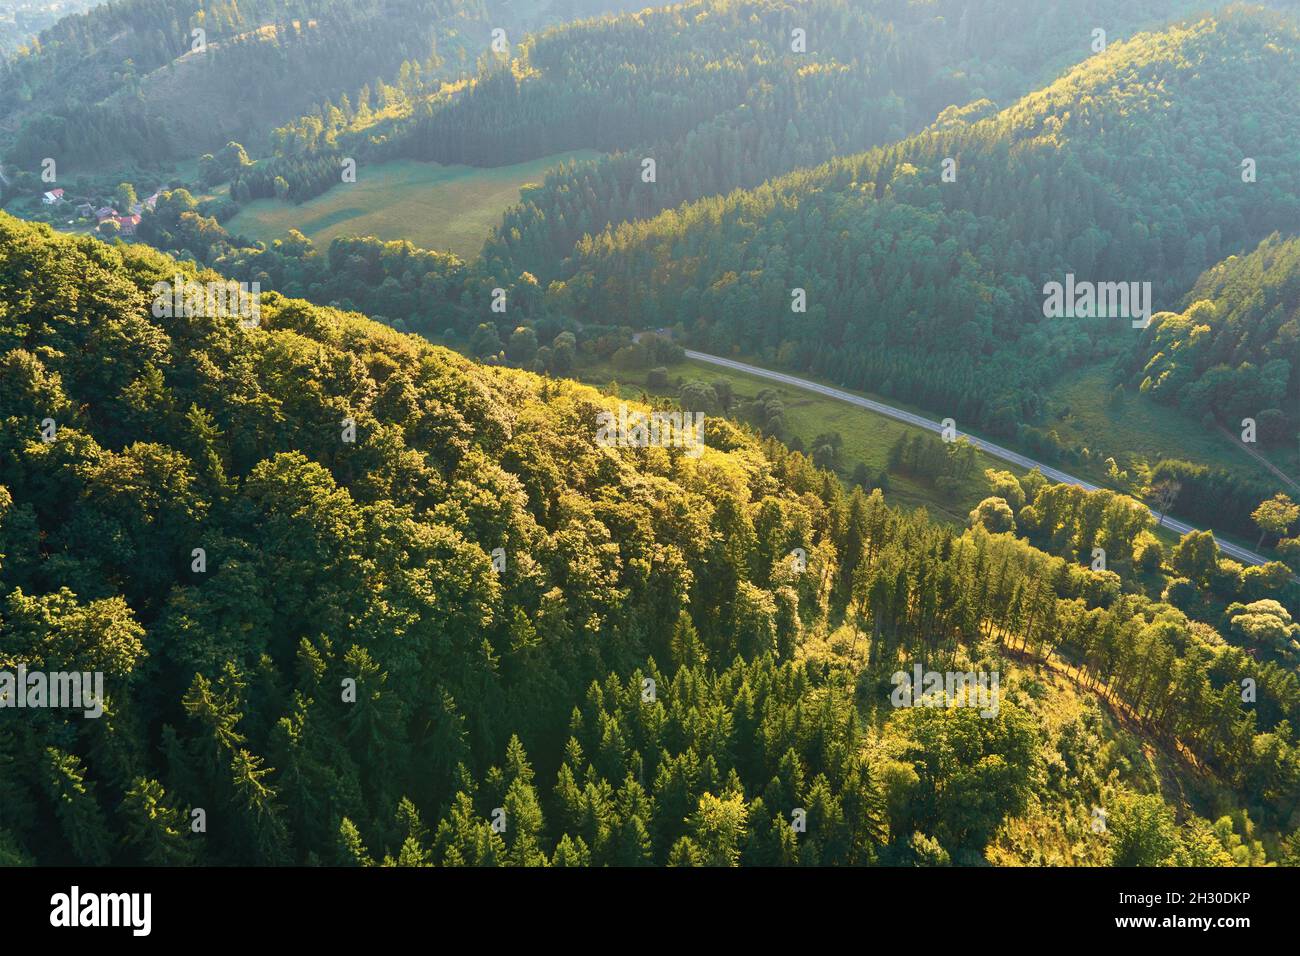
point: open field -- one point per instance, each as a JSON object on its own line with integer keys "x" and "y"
{"x": 448, "y": 208}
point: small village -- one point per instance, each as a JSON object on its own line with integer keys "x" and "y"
{"x": 86, "y": 205}
{"x": 102, "y": 218}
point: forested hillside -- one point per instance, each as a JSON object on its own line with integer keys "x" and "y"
{"x": 359, "y": 600}
{"x": 871, "y": 74}
{"x": 1235, "y": 347}
{"x": 134, "y": 80}
{"x": 1127, "y": 169}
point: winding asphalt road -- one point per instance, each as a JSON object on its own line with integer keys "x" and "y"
{"x": 997, "y": 451}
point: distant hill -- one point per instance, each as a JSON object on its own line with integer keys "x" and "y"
{"x": 739, "y": 92}
{"x": 133, "y": 79}
{"x": 22, "y": 20}
{"x": 1128, "y": 168}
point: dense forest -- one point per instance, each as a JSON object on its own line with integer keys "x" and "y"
{"x": 870, "y": 74}
{"x": 1235, "y": 348}
{"x": 965, "y": 297}
{"x": 360, "y": 600}
{"x": 134, "y": 80}
{"x": 439, "y": 295}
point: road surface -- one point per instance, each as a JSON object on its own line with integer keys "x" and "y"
{"x": 997, "y": 451}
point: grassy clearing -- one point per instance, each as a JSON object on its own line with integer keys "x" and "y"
{"x": 1134, "y": 427}
{"x": 448, "y": 208}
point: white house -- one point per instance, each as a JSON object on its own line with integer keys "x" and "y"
{"x": 53, "y": 197}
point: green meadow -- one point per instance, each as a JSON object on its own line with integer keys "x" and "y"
{"x": 1083, "y": 409}
{"x": 448, "y": 208}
